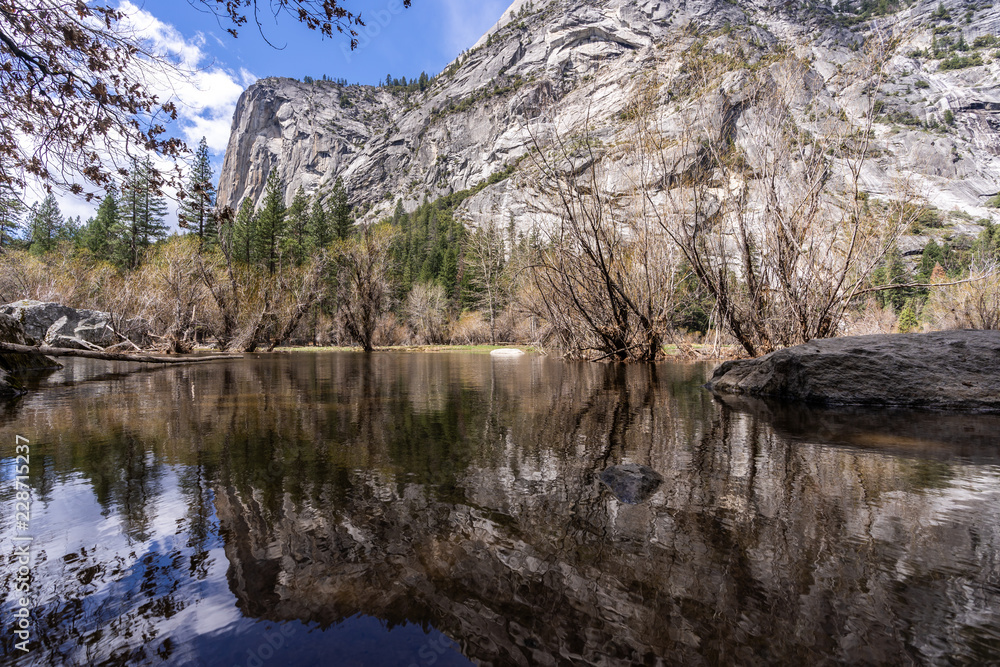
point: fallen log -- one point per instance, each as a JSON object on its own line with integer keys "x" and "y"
{"x": 109, "y": 356}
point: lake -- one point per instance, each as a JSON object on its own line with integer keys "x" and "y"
{"x": 448, "y": 509}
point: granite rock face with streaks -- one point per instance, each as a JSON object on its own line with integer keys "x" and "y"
{"x": 570, "y": 67}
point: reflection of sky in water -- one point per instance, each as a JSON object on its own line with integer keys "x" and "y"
{"x": 73, "y": 536}
{"x": 333, "y": 509}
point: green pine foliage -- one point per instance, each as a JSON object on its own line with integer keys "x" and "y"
{"x": 45, "y": 225}
{"x": 98, "y": 235}
{"x": 893, "y": 272}
{"x": 952, "y": 260}
{"x": 987, "y": 245}
{"x": 426, "y": 248}
{"x": 11, "y": 220}
{"x": 319, "y": 234}
{"x": 429, "y": 245}
{"x": 295, "y": 242}
{"x": 270, "y": 225}
{"x": 142, "y": 211}
{"x": 907, "y": 320}
{"x": 196, "y": 212}
{"x": 241, "y": 234}
{"x": 401, "y": 85}
{"x": 340, "y": 211}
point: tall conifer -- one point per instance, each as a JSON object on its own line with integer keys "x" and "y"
{"x": 340, "y": 211}
{"x": 46, "y": 222}
{"x": 271, "y": 223}
{"x": 142, "y": 211}
{"x": 196, "y": 211}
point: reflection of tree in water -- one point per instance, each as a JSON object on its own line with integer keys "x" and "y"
{"x": 754, "y": 548}
{"x": 460, "y": 493}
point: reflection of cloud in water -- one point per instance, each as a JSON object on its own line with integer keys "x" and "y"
{"x": 402, "y": 496}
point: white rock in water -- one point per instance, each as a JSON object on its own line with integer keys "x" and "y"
{"x": 507, "y": 352}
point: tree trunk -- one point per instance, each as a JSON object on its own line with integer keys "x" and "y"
{"x": 109, "y": 356}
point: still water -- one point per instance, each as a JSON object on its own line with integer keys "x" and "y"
{"x": 448, "y": 509}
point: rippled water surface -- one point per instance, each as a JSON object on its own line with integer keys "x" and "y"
{"x": 448, "y": 509}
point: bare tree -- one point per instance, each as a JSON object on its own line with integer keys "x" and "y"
{"x": 485, "y": 259}
{"x": 771, "y": 219}
{"x": 303, "y": 288}
{"x": 171, "y": 275}
{"x": 76, "y": 86}
{"x": 76, "y": 105}
{"x": 973, "y": 303}
{"x": 604, "y": 280}
{"x": 426, "y": 312}
{"x": 363, "y": 270}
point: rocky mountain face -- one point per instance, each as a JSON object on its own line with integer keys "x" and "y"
{"x": 565, "y": 69}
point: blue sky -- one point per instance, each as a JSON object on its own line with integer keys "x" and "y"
{"x": 397, "y": 41}
{"x": 404, "y": 42}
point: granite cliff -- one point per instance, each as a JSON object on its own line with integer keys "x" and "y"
{"x": 575, "y": 66}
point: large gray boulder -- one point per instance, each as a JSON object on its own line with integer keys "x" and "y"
{"x": 14, "y": 363}
{"x": 61, "y": 326}
{"x": 945, "y": 369}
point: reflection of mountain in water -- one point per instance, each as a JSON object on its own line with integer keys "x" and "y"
{"x": 450, "y": 492}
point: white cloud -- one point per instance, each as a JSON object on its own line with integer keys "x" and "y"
{"x": 204, "y": 93}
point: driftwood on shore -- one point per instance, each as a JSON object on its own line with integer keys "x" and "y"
{"x": 110, "y": 356}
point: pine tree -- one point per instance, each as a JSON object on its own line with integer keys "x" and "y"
{"x": 141, "y": 214}
{"x": 45, "y": 224}
{"x": 196, "y": 211}
{"x": 11, "y": 219}
{"x": 71, "y": 231}
{"x": 295, "y": 243}
{"x": 343, "y": 226}
{"x": 271, "y": 223}
{"x": 242, "y": 234}
{"x": 319, "y": 235}
{"x": 99, "y": 234}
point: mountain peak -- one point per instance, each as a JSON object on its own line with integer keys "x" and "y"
{"x": 581, "y": 63}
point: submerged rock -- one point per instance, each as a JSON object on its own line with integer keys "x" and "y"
{"x": 12, "y": 363}
{"x": 631, "y": 483}
{"x": 945, "y": 369}
{"x": 507, "y": 352}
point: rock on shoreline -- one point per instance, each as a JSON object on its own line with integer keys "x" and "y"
{"x": 12, "y": 363}
{"x": 945, "y": 369}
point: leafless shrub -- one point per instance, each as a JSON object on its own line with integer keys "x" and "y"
{"x": 363, "y": 268}
{"x": 471, "y": 328}
{"x": 771, "y": 219}
{"x": 426, "y": 314}
{"x": 971, "y": 304}
{"x": 872, "y": 319}
{"x": 177, "y": 295}
{"x": 605, "y": 278}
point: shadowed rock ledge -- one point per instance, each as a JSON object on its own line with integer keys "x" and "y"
{"x": 947, "y": 369}
{"x": 12, "y": 363}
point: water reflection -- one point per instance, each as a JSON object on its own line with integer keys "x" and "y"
{"x": 431, "y": 509}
